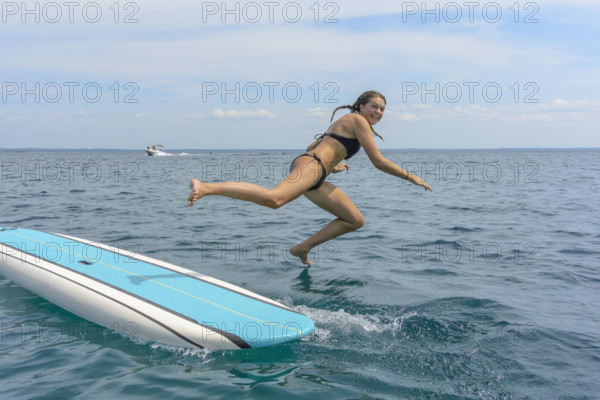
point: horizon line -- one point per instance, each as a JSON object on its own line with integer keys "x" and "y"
{"x": 13, "y": 149}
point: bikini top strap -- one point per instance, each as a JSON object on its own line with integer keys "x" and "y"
{"x": 318, "y": 138}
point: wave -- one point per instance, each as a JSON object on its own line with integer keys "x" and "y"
{"x": 387, "y": 326}
{"x": 32, "y": 218}
{"x": 464, "y": 229}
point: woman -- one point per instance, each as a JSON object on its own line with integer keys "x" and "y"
{"x": 343, "y": 139}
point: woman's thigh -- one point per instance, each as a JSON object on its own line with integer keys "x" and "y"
{"x": 332, "y": 199}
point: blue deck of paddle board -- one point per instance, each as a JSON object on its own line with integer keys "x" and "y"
{"x": 258, "y": 323}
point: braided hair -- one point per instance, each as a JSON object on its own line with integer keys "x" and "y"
{"x": 363, "y": 99}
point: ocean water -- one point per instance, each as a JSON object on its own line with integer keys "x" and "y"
{"x": 486, "y": 288}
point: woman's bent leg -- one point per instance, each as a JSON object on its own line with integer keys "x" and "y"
{"x": 334, "y": 200}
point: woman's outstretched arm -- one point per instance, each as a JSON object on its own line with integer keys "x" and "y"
{"x": 362, "y": 130}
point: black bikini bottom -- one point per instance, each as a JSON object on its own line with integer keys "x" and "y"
{"x": 324, "y": 171}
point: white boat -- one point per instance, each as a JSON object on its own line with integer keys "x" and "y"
{"x": 155, "y": 150}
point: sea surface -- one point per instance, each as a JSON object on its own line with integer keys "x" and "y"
{"x": 486, "y": 288}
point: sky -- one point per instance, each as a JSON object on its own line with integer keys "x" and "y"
{"x": 268, "y": 74}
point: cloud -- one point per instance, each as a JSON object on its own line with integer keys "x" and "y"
{"x": 548, "y": 117}
{"x": 393, "y": 115}
{"x": 408, "y": 117}
{"x": 175, "y": 50}
{"x": 319, "y": 112}
{"x": 554, "y": 111}
{"x": 233, "y": 114}
{"x": 315, "y": 53}
{"x": 560, "y": 104}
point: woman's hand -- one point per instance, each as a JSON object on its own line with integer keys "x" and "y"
{"x": 418, "y": 181}
{"x": 340, "y": 168}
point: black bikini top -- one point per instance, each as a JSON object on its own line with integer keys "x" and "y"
{"x": 352, "y": 145}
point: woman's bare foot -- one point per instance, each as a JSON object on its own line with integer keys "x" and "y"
{"x": 197, "y": 191}
{"x": 302, "y": 255}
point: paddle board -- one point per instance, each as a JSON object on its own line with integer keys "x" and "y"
{"x": 164, "y": 303}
